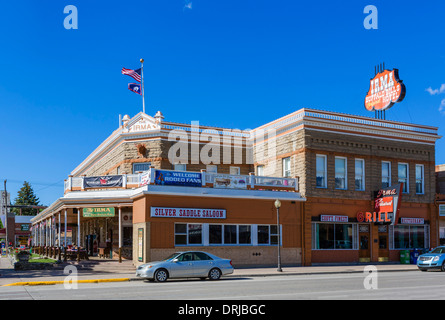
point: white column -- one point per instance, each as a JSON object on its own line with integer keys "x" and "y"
{"x": 78, "y": 227}
{"x": 59, "y": 244}
{"x": 64, "y": 242}
{"x": 120, "y": 228}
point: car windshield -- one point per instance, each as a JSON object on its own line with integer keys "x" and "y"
{"x": 171, "y": 256}
{"x": 438, "y": 250}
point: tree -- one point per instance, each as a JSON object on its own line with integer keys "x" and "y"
{"x": 26, "y": 196}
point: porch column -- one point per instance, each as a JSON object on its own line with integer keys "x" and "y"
{"x": 64, "y": 242}
{"x": 120, "y": 235}
{"x": 78, "y": 234}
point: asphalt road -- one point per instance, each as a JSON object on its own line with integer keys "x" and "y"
{"x": 382, "y": 286}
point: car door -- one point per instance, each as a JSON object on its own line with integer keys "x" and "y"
{"x": 202, "y": 264}
{"x": 182, "y": 266}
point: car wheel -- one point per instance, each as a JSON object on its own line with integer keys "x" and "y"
{"x": 443, "y": 267}
{"x": 161, "y": 275}
{"x": 215, "y": 274}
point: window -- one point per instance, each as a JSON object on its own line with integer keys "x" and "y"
{"x": 359, "y": 174}
{"x": 230, "y": 234}
{"x": 260, "y": 171}
{"x": 419, "y": 178}
{"x": 235, "y": 171}
{"x": 180, "y": 234}
{"x": 188, "y": 234}
{"x": 340, "y": 173}
{"x": 333, "y": 236}
{"x": 211, "y": 168}
{"x": 286, "y": 167}
{"x": 194, "y": 234}
{"x": 141, "y": 167}
{"x": 321, "y": 171}
{"x": 215, "y": 234}
{"x": 244, "y": 234}
{"x": 410, "y": 237}
{"x": 180, "y": 167}
{"x": 403, "y": 176}
{"x": 386, "y": 174}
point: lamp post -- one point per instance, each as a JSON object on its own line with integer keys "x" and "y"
{"x": 278, "y": 205}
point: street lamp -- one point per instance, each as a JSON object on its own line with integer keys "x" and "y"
{"x": 278, "y": 205}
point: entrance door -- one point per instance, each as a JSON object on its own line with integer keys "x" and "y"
{"x": 364, "y": 243}
{"x": 383, "y": 244}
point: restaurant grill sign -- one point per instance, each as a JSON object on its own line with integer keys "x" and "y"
{"x": 385, "y": 89}
{"x": 102, "y": 182}
{"x": 386, "y": 206}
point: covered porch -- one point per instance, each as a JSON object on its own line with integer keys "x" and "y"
{"x": 81, "y": 225}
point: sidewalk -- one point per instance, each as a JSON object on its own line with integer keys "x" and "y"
{"x": 44, "y": 277}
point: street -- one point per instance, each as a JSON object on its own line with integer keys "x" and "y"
{"x": 386, "y": 286}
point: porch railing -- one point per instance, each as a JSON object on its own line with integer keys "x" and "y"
{"x": 208, "y": 180}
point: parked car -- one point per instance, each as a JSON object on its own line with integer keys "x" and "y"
{"x": 435, "y": 259}
{"x": 189, "y": 264}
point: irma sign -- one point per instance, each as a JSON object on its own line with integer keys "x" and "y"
{"x": 385, "y": 89}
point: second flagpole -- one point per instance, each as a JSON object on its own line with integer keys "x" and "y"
{"x": 142, "y": 82}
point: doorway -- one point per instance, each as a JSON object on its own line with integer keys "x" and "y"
{"x": 383, "y": 244}
{"x": 364, "y": 243}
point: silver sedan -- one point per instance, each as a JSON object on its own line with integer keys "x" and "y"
{"x": 190, "y": 264}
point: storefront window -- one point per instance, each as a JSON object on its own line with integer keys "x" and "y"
{"x": 215, "y": 234}
{"x": 195, "y": 233}
{"x": 409, "y": 237}
{"x": 230, "y": 234}
{"x": 244, "y": 234}
{"x": 263, "y": 234}
{"x": 180, "y": 234}
{"x": 333, "y": 236}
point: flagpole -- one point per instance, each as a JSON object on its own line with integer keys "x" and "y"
{"x": 142, "y": 82}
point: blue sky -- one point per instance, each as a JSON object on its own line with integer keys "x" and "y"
{"x": 233, "y": 63}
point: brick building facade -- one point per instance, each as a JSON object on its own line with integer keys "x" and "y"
{"x": 333, "y": 163}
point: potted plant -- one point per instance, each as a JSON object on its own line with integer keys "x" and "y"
{"x": 23, "y": 256}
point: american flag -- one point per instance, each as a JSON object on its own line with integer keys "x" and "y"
{"x": 135, "y": 74}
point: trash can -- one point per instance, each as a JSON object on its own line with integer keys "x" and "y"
{"x": 414, "y": 255}
{"x": 404, "y": 256}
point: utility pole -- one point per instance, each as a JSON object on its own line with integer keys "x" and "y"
{"x": 6, "y": 218}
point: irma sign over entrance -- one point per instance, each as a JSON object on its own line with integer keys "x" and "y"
{"x": 385, "y": 89}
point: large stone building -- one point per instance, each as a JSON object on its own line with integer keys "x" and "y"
{"x": 324, "y": 167}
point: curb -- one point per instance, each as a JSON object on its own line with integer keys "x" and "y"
{"x": 40, "y": 283}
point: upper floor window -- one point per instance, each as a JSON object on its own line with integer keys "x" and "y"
{"x": 359, "y": 174}
{"x": 386, "y": 174}
{"x": 141, "y": 167}
{"x": 180, "y": 167}
{"x": 286, "y": 167}
{"x": 340, "y": 173}
{"x": 260, "y": 170}
{"x": 403, "y": 176}
{"x": 236, "y": 171}
{"x": 321, "y": 171}
{"x": 419, "y": 179}
{"x": 211, "y": 168}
